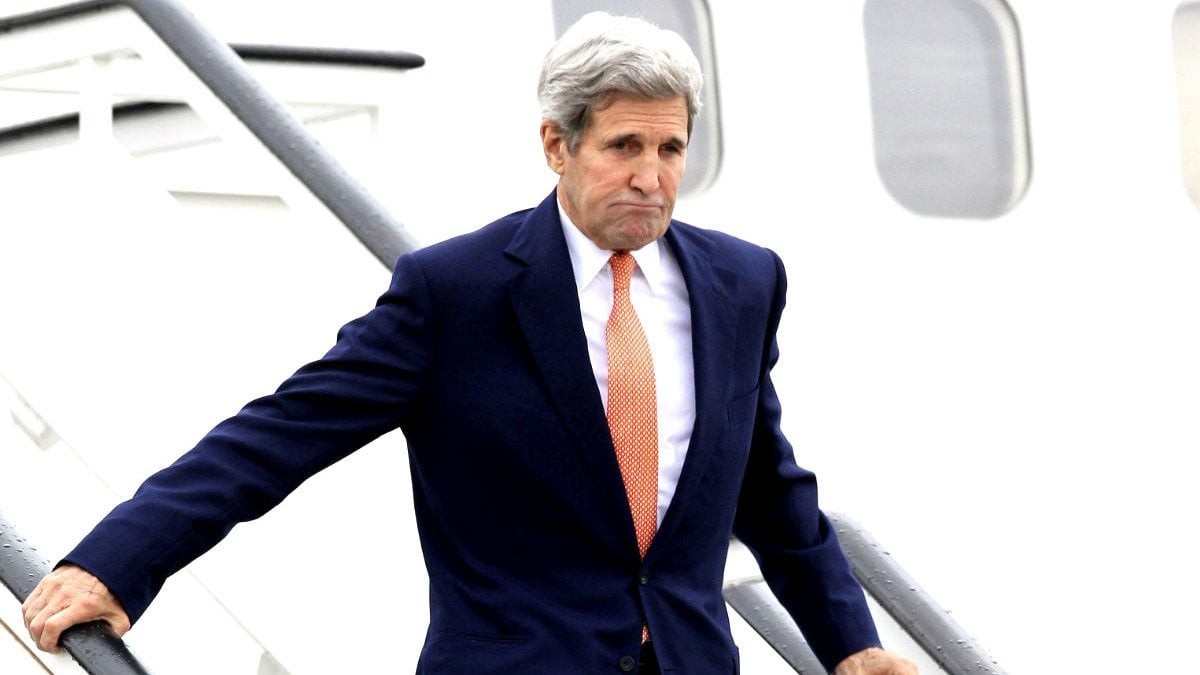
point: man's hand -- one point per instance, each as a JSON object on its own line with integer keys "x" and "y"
{"x": 68, "y": 596}
{"x": 875, "y": 661}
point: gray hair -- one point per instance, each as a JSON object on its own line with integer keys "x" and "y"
{"x": 602, "y": 56}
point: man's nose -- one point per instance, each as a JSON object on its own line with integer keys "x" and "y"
{"x": 646, "y": 173}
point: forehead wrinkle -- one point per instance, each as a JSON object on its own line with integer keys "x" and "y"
{"x": 674, "y": 116}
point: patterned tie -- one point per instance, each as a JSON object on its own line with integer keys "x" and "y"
{"x": 632, "y": 405}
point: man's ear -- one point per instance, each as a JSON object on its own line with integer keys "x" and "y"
{"x": 554, "y": 144}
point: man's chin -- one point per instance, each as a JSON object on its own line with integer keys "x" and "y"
{"x": 638, "y": 237}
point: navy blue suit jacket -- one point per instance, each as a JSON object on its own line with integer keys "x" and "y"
{"x": 477, "y": 352}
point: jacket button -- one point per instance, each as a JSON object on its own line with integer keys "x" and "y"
{"x": 627, "y": 664}
{"x": 644, "y": 579}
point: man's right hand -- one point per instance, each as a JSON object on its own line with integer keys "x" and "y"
{"x": 68, "y": 596}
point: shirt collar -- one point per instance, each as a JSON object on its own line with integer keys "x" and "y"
{"x": 589, "y": 260}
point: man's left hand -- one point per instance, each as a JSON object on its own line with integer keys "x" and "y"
{"x": 875, "y": 661}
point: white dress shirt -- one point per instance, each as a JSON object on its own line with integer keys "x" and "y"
{"x": 660, "y": 299}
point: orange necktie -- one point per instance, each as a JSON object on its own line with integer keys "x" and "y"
{"x": 632, "y": 405}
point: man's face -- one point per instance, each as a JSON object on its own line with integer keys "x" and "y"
{"x": 619, "y": 186}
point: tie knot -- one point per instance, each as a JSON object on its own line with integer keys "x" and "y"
{"x": 622, "y": 266}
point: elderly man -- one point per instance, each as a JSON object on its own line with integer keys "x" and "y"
{"x": 586, "y": 392}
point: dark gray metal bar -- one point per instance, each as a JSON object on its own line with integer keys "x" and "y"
{"x": 49, "y": 14}
{"x": 887, "y": 583}
{"x": 220, "y": 68}
{"x": 754, "y": 602}
{"x": 216, "y": 64}
{"x": 329, "y": 56}
{"x": 94, "y": 645}
{"x": 900, "y": 595}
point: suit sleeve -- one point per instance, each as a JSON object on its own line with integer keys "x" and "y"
{"x": 779, "y": 519}
{"x": 363, "y": 387}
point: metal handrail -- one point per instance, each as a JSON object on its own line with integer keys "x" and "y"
{"x": 754, "y": 602}
{"x": 94, "y": 645}
{"x": 929, "y": 625}
{"x": 226, "y": 75}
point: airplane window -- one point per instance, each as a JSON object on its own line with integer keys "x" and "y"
{"x": 689, "y": 18}
{"x": 1186, "y": 32}
{"x": 948, "y": 105}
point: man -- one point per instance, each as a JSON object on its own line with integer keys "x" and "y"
{"x": 585, "y": 390}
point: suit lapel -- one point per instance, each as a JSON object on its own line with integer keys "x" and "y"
{"x": 711, "y": 290}
{"x": 546, "y": 304}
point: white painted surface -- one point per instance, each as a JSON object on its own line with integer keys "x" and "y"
{"x": 17, "y": 654}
